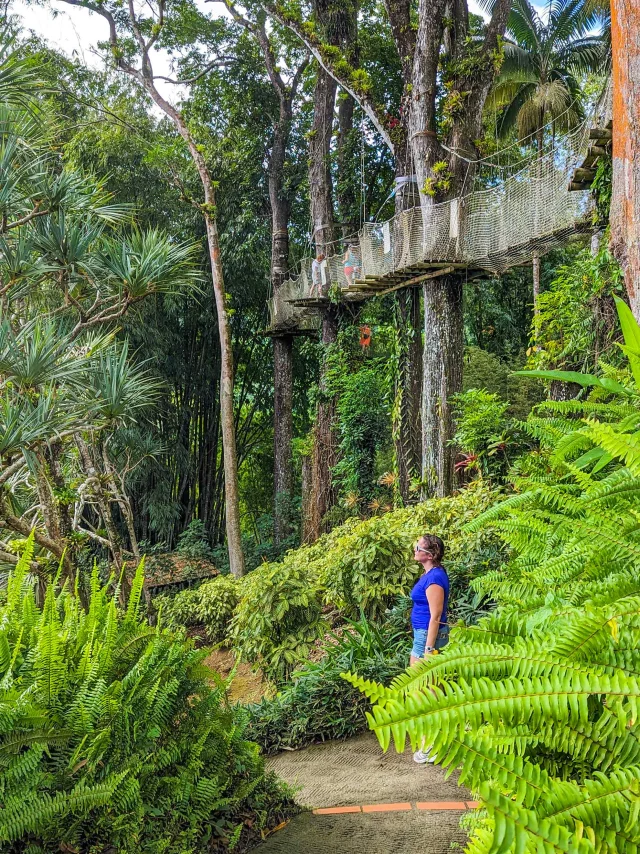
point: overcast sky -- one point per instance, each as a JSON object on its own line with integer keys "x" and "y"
{"x": 76, "y": 31}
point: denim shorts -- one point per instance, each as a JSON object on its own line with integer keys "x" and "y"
{"x": 420, "y": 640}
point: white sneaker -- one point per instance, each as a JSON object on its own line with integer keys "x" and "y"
{"x": 421, "y": 757}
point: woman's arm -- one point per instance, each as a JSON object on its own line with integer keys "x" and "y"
{"x": 435, "y": 598}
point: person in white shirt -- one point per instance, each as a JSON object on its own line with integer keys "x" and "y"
{"x": 316, "y": 275}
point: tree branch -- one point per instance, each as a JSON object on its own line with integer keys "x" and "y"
{"x": 22, "y": 527}
{"x": 25, "y": 219}
{"x": 297, "y": 77}
{"x": 11, "y": 470}
{"x": 325, "y": 58}
{"x": 220, "y": 62}
{"x": 9, "y": 557}
{"x": 113, "y": 34}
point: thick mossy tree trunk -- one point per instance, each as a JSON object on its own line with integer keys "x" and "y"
{"x": 436, "y": 53}
{"x": 320, "y": 183}
{"x": 408, "y": 429}
{"x": 282, "y": 344}
{"x": 441, "y": 23}
{"x": 325, "y": 451}
{"x": 442, "y": 377}
{"x": 325, "y": 443}
{"x": 282, "y": 436}
{"x": 625, "y": 202}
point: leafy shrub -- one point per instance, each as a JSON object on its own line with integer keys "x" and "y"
{"x": 538, "y": 703}
{"x": 361, "y": 566}
{"x": 366, "y": 564}
{"x": 278, "y": 618}
{"x": 111, "y": 734}
{"x": 217, "y": 601}
{"x": 370, "y": 575}
{"x": 317, "y": 704}
{"x": 179, "y": 609}
{"x": 211, "y": 605}
{"x": 485, "y": 436}
{"x": 273, "y": 615}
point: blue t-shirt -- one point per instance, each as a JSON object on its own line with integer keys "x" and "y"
{"x": 421, "y": 613}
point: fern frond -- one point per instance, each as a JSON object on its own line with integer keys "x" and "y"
{"x": 515, "y": 825}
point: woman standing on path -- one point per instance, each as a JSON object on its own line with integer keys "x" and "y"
{"x": 429, "y": 613}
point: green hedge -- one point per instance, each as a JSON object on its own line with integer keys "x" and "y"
{"x": 364, "y": 565}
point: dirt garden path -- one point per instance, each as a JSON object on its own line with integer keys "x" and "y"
{"x": 366, "y": 802}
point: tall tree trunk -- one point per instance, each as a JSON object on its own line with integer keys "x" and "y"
{"x": 442, "y": 378}
{"x": 282, "y": 436}
{"x": 625, "y": 202}
{"x": 325, "y": 444}
{"x": 320, "y": 184}
{"x": 345, "y": 189}
{"x": 232, "y": 497}
{"x": 440, "y": 23}
{"x": 282, "y": 345}
{"x": 229, "y": 452}
{"x": 408, "y": 429}
{"x": 442, "y": 363}
{"x": 307, "y": 498}
{"x": 325, "y": 451}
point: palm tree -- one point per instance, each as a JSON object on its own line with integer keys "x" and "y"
{"x": 539, "y": 82}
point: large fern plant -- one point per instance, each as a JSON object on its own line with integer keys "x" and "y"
{"x": 538, "y": 705}
{"x": 110, "y": 734}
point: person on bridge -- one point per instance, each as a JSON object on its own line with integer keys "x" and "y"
{"x": 350, "y": 265}
{"x": 430, "y": 597}
{"x": 316, "y": 275}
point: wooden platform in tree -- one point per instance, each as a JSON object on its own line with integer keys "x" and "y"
{"x": 600, "y": 146}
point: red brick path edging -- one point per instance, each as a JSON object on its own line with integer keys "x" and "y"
{"x": 400, "y": 807}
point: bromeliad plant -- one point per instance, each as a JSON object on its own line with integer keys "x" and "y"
{"x": 538, "y": 704}
{"x": 111, "y": 734}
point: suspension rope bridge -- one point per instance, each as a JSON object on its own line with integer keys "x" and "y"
{"x": 511, "y": 214}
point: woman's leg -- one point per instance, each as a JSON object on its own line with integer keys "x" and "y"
{"x": 419, "y": 644}
{"x": 423, "y": 755}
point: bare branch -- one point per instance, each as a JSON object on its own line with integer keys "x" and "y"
{"x": 25, "y": 219}
{"x": 113, "y": 34}
{"x": 158, "y": 29}
{"x": 220, "y": 62}
{"x": 22, "y": 527}
{"x": 101, "y": 540}
{"x": 11, "y": 470}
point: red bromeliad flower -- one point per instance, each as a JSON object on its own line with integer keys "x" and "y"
{"x": 467, "y": 461}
